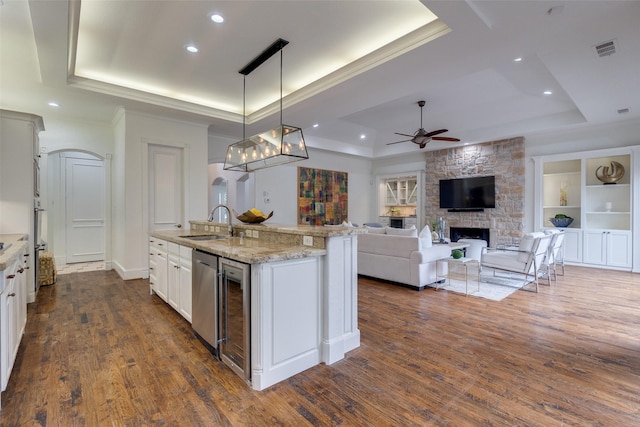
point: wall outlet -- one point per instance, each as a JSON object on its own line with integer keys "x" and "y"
{"x": 249, "y": 233}
{"x": 217, "y": 229}
{"x": 255, "y": 234}
{"x": 307, "y": 240}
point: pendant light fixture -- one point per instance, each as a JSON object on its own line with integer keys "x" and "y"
{"x": 277, "y": 146}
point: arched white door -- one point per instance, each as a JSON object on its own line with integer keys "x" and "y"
{"x": 84, "y": 208}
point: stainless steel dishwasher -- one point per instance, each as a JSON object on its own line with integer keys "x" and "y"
{"x": 204, "y": 317}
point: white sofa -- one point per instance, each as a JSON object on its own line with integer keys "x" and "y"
{"x": 407, "y": 260}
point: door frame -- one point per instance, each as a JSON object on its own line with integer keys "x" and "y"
{"x": 144, "y": 146}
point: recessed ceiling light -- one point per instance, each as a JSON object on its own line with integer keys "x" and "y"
{"x": 53, "y": 104}
{"x": 547, "y": 92}
{"x": 217, "y": 18}
{"x": 518, "y": 59}
{"x": 363, "y": 136}
{"x": 315, "y": 125}
{"x": 191, "y": 48}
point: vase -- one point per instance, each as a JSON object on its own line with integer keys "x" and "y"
{"x": 563, "y": 193}
{"x": 441, "y": 227}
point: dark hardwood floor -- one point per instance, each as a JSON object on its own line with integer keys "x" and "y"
{"x": 99, "y": 351}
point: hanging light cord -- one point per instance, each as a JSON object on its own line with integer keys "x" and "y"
{"x": 244, "y": 105}
{"x": 280, "y": 86}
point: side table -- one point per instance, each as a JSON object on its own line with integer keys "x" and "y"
{"x": 465, "y": 263}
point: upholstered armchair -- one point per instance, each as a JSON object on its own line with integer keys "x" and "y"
{"x": 527, "y": 259}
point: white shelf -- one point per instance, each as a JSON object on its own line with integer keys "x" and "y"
{"x": 607, "y": 213}
{"x": 612, "y": 186}
{"x": 561, "y": 207}
{"x": 561, "y": 173}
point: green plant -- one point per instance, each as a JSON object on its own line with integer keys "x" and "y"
{"x": 562, "y": 216}
{"x": 456, "y": 254}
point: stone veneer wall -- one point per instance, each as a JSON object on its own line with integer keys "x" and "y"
{"x": 505, "y": 159}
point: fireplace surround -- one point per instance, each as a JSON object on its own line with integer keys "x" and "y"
{"x": 457, "y": 233}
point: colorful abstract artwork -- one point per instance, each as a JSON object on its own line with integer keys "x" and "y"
{"x": 322, "y": 196}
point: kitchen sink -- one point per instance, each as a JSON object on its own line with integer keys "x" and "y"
{"x": 204, "y": 237}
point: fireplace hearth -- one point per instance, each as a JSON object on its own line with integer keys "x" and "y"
{"x": 457, "y": 233}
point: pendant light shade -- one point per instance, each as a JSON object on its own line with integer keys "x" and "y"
{"x": 277, "y": 146}
{"x": 280, "y": 145}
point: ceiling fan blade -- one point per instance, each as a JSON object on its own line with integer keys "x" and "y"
{"x": 403, "y": 134}
{"x": 437, "y": 132}
{"x": 423, "y": 144}
{"x": 445, "y": 138}
{"x": 398, "y": 142}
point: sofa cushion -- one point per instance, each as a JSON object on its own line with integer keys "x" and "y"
{"x": 385, "y": 244}
{"x": 410, "y": 232}
{"x": 376, "y": 230}
{"x": 503, "y": 260}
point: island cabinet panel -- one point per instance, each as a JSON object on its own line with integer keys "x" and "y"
{"x": 286, "y": 319}
{"x": 340, "y": 330}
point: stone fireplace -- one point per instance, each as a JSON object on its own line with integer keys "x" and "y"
{"x": 504, "y": 159}
{"x": 457, "y": 233}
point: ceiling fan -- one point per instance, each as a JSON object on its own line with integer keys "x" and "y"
{"x": 422, "y": 137}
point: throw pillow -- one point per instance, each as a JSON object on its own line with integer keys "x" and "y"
{"x": 411, "y": 232}
{"x": 426, "y": 240}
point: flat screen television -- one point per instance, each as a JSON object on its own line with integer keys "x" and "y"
{"x": 473, "y": 193}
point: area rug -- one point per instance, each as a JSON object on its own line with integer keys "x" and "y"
{"x": 495, "y": 288}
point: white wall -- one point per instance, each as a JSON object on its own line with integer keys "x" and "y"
{"x": 140, "y": 130}
{"x": 276, "y": 188}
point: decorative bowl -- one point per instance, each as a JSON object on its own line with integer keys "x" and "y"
{"x": 561, "y": 222}
{"x": 249, "y": 217}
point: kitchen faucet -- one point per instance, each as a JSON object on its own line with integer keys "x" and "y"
{"x": 210, "y": 219}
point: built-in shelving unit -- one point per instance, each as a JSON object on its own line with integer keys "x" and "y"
{"x": 562, "y": 194}
{"x": 601, "y": 231}
{"x": 607, "y": 206}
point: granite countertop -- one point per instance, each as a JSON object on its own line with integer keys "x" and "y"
{"x": 247, "y": 250}
{"x": 308, "y": 230}
{"x": 14, "y": 246}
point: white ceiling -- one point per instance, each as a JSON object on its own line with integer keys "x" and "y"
{"x": 94, "y": 56}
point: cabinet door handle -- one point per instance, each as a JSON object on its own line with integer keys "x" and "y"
{"x": 11, "y": 276}
{"x": 12, "y": 294}
{"x": 21, "y": 270}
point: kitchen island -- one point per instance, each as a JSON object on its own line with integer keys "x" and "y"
{"x": 303, "y": 291}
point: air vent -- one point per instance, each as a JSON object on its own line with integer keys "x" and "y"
{"x": 606, "y": 48}
{"x": 623, "y": 111}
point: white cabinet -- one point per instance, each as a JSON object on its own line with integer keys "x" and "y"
{"x": 173, "y": 276}
{"x": 610, "y": 248}
{"x": 572, "y": 245}
{"x": 19, "y": 179}
{"x": 12, "y": 315}
{"x": 401, "y": 191}
{"x": 170, "y": 274}
{"x": 158, "y": 267}
{"x": 185, "y": 290}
